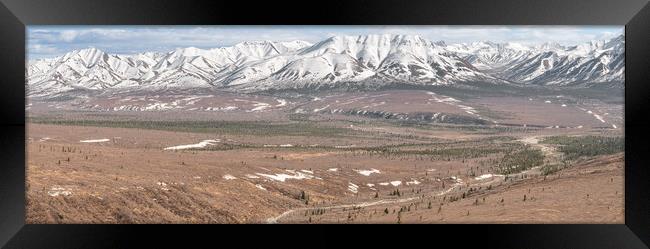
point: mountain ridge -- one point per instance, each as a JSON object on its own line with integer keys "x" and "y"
{"x": 253, "y": 66}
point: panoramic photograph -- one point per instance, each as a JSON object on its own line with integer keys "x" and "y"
{"x": 325, "y": 124}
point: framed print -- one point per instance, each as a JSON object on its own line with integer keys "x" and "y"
{"x": 446, "y": 119}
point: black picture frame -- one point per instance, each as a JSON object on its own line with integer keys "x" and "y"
{"x": 16, "y": 14}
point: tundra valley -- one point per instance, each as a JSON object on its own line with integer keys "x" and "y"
{"x": 350, "y": 129}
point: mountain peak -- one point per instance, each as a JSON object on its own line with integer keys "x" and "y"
{"x": 186, "y": 49}
{"x": 84, "y": 51}
{"x": 377, "y": 37}
{"x": 90, "y": 50}
{"x": 88, "y": 56}
{"x": 550, "y": 46}
{"x": 254, "y": 43}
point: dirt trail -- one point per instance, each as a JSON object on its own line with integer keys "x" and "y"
{"x": 549, "y": 151}
{"x": 361, "y": 204}
{"x": 275, "y": 219}
{"x": 551, "y": 155}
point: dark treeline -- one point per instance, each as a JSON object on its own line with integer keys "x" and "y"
{"x": 575, "y": 147}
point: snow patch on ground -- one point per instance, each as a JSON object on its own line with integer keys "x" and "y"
{"x": 396, "y": 183}
{"x": 454, "y": 102}
{"x": 485, "y": 176}
{"x": 413, "y": 182}
{"x": 353, "y": 188}
{"x": 370, "y": 185}
{"x": 229, "y": 177}
{"x": 95, "y": 140}
{"x": 281, "y": 102}
{"x": 260, "y": 106}
{"x": 158, "y": 106}
{"x": 384, "y": 183}
{"x": 281, "y": 145}
{"x": 322, "y": 108}
{"x": 227, "y": 108}
{"x": 283, "y": 177}
{"x": 56, "y": 191}
{"x": 333, "y": 169}
{"x": 599, "y": 118}
{"x": 202, "y": 144}
{"x": 260, "y": 187}
{"x": 374, "y": 105}
{"x": 469, "y": 110}
{"x": 368, "y": 172}
{"x": 443, "y": 99}
{"x": 251, "y": 176}
{"x": 458, "y": 180}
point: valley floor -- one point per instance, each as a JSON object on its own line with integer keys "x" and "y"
{"x": 133, "y": 179}
{"x": 324, "y": 160}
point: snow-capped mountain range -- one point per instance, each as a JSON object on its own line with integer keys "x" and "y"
{"x": 371, "y": 60}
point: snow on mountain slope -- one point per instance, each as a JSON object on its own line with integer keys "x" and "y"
{"x": 408, "y": 58}
{"x": 488, "y": 55}
{"x": 319, "y": 71}
{"x": 85, "y": 69}
{"x": 182, "y": 68}
{"x": 358, "y": 59}
{"x": 598, "y": 61}
{"x": 363, "y": 60}
{"x": 549, "y": 63}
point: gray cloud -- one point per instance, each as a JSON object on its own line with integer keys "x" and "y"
{"x": 48, "y": 41}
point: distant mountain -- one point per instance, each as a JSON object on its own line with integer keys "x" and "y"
{"x": 370, "y": 60}
{"x": 549, "y": 64}
{"x": 376, "y": 59}
{"x": 181, "y": 68}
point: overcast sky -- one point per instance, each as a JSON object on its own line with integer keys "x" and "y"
{"x": 50, "y": 41}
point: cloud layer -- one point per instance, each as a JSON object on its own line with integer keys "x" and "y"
{"x": 50, "y": 41}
